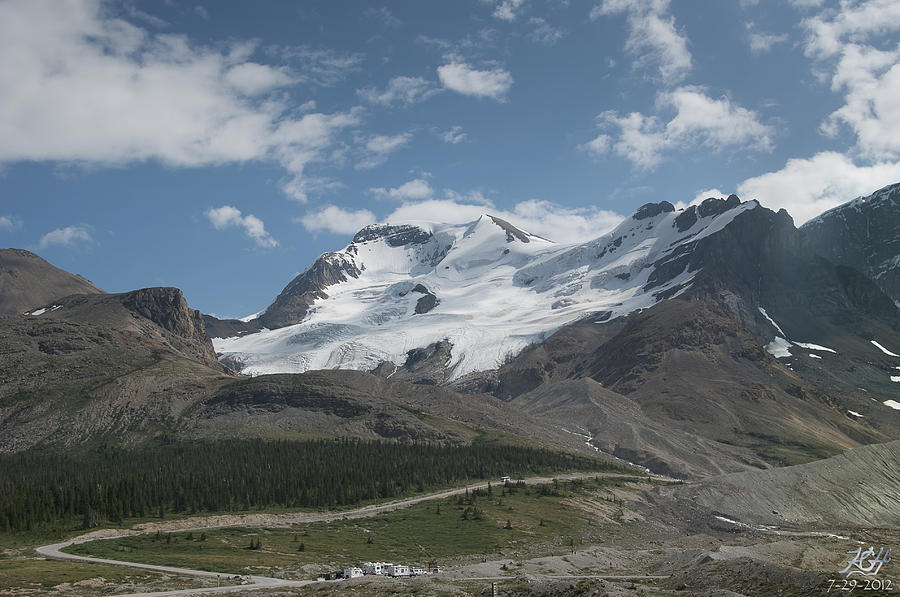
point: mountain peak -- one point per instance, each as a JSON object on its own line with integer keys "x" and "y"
{"x": 714, "y": 207}
{"x": 394, "y": 235}
{"x": 512, "y": 233}
{"x": 27, "y": 281}
{"x": 649, "y": 210}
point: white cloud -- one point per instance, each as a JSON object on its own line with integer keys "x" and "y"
{"x": 870, "y": 81}
{"x": 807, "y": 187}
{"x": 87, "y": 88}
{"x": 543, "y": 32}
{"x": 337, "y": 220}
{"x": 66, "y": 237}
{"x": 853, "y": 43}
{"x": 231, "y": 217}
{"x": 10, "y": 223}
{"x": 414, "y": 189}
{"x": 653, "y": 38}
{"x": 700, "y": 196}
{"x": 461, "y": 78}
{"x": 699, "y": 121}
{"x": 377, "y": 148}
{"x": 806, "y": 3}
{"x": 472, "y": 197}
{"x": 599, "y": 145}
{"x": 761, "y": 42}
{"x": 201, "y": 12}
{"x": 387, "y": 143}
{"x": 716, "y": 122}
{"x": 640, "y": 140}
{"x": 384, "y": 15}
{"x": 251, "y": 79}
{"x": 560, "y": 223}
{"x": 543, "y": 218}
{"x": 454, "y": 135}
{"x": 321, "y": 67}
{"x": 508, "y": 10}
{"x": 854, "y": 21}
{"x": 402, "y": 90}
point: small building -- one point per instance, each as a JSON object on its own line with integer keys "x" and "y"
{"x": 396, "y": 570}
{"x": 353, "y": 572}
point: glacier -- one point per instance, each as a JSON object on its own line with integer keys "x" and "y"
{"x": 496, "y": 290}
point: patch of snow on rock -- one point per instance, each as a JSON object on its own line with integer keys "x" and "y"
{"x": 772, "y": 321}
{"x": 809, "y": 346}
{"x": 883, "y": 349}
{"x": 779, "y": 348}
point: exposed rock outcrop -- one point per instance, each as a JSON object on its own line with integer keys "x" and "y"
{"x": 863, "y": 234}
{"x": 292, "y": 304}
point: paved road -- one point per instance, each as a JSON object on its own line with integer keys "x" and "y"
{"x": 264, "y": 582}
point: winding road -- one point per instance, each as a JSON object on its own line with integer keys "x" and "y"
{"x": 255, "y": 582}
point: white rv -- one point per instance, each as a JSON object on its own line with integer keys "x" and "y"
{"x": 376, "y": 568}
{"x": 353, "y": 572}
{"x": 397, "y": 570}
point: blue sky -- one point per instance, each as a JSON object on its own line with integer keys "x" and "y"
{"x": 221, "y": 146}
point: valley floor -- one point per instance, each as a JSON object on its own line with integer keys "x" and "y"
{"x": 599, "y": 535}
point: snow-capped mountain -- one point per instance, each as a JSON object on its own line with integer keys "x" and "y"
{"x": 486, "y": 288}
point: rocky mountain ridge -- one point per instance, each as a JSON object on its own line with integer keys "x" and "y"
{"x": 863, "y": 234}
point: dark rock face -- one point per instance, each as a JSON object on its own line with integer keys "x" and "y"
{"x": 863, "y": 234}
{"x": 275, "y": 393}
{"x": 512, "y": 233}
{"x": 714, "y": 207}
{"x": 394, "y": 236}
{"x": 292, "y": 304}
{"x": 686, "y": 219}
{"x": 709, "y": 207}
{"x": 764, "y": 259}
{"x": 166, "y": 307}
{"x": 648, "y": 210}
{"x": 428, "y": 302}
{"x": 427, "y": 366}
{"x": 226, "y": 328}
